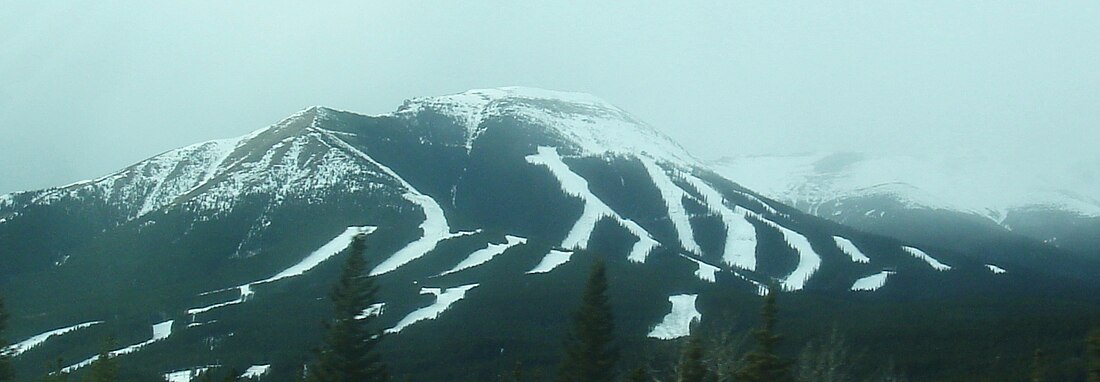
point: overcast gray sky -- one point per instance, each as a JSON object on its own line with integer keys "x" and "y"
{"x": 88, "y": 87}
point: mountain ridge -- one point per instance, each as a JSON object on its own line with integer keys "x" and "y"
{"x": 474, "y": 242}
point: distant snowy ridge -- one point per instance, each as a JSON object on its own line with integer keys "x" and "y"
{"x": 964, "y": 183}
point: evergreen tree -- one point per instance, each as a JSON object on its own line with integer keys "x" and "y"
{"x": 104, "y": 368}
{"x": 590, "y": 354}
{"x": 233, "y": 376}
{"x": 6, "y": 371}
{"x": 638, "y": 375}
{"x": 56, "y": 376}
{"x": 1094, "y": 356}
{"x": 1038, "y": 366}
{"x": 762, "y": 364}
{"x": 348, "y": 353}
{"x": 691, "y": 368}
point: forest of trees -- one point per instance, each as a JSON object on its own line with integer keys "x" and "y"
{"x": 349, "y": 346}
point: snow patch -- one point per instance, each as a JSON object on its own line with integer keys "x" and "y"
{"x": 551, "y": 260}
{"x": 850, "y": 248}
{"x": 374, "y": 310}
{"x": 995, "y": 269}
{"x": 256, "y": 371}
{"x": 928, "y": 259}
{"x": 594, "y": 208}
{"x": 872, "y": 282}
{"x": 327, "y": 251}
{"x": 740, "y": 247}
{"x": 808, "y": 260}
{"x": 245, "y": 294}
{"x": 483, "y": 255}
{"x": 186, "y": 375}
{"x": 444, "y": 298}
{"x": 31, "y": 343}
{"x": 677, "y": 323}
{"x": 674, "y": 202}
{"x": 161, "y": 331}
{"x": 705, "y": 272}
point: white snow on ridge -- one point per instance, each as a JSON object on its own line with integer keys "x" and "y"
{"x": 161, "y": 331}
{"x": 850, "y": 248}
{"x": 674, "y": 201}
{"x": 808, "y": 259}
{"x": 705, "y": 272}
{"x": 594, "y": 208}
{"x": 483, "y": 255}
{"x": 444, "y": 298}
{"x": 30, "y": 343}
{"x": 552, "y": 260}
{"x": 964, "y": 181}
{"x": 256, "y": 371}
{"x": 872, "y": 282}
{"x": 995, "y": 269}
{"x": 928, "y": 259}
{"x": 594, "y": 126}
{"x": 740, "y": 247}
{"x": 677, "y": 323}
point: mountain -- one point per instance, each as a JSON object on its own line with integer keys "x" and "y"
{"x": 891, "y": 194}
{"x": 483, "y": 212}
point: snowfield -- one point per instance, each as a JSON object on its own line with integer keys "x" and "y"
{"x": 552, "y": 260}
{"x": 161, "y": 331}
{"x": 740, "y": 247}
{"x": 935, "y": 264}
{"x": 850, "y": 248}
{"x": 31, "y": 343}
{"x": 444, "y": 298}
{"x": 674, "y": 202}
{"x": 808, "y": 260}
{"x": 677, "y": 323}
{"x": 586, "y": 123}
{"x": 483, "y": 255}
{"x": 594, "y": 208}
{"x": 872, "y": 282}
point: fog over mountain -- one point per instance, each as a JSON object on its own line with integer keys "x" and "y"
{"x": 91, "y": 87}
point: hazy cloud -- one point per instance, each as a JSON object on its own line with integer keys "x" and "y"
{"x": 89, "y": 87}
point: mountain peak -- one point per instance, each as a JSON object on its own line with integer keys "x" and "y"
{"x": 585, "y": 123}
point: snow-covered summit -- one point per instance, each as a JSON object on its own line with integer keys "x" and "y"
{"x": 589, "y": 124}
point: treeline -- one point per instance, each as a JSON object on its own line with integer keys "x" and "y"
{"x": 348, "y": 352}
